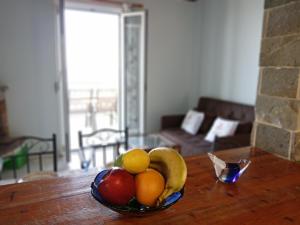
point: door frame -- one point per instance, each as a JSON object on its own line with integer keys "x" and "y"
{"x": 142, "y": 72}
{"x": 61, "y": 85}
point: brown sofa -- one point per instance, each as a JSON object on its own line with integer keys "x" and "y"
{"x": 213, "y": 108}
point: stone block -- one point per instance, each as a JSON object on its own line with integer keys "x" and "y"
{"x": 265, "y": 23}
{"x": 273, "y": 139}
{"x": 284, "y": 20}
{"x": 280, "y": 82}
{"x": 296, "y": 147}
{"x": 280, "y": 112}
{"x": 281, "y": 51}
{"x": 253, "y": 134}
{"x": 274, "y": 3}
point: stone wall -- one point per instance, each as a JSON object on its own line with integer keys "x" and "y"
{"x": 277, "y": 125}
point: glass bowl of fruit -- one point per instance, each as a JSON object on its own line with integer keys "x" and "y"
{"x": 142, "y": 183}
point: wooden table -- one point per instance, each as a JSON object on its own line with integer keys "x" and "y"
{"x": 268, "y": 193}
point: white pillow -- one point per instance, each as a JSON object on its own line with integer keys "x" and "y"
{"x": 221, "y": 128}
{"x": 192, "y": 121}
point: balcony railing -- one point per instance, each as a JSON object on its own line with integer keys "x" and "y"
{"x": 93, "y": 101}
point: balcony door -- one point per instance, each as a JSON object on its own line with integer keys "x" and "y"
{"x": 131, "y": 82}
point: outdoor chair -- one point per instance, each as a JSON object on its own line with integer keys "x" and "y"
{"x": 101, "y": 140}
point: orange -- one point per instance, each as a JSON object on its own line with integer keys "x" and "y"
{"x": 149, "y": 186}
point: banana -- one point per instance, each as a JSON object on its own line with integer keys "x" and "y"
{"x": 171, "y": 164}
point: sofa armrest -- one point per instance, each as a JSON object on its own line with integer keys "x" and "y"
{"x": 236, "y": 141}
{"x": 171, "y": 121}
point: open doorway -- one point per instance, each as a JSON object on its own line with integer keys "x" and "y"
{"x": 105, "y": 64}
{"x": 92, "y": 52}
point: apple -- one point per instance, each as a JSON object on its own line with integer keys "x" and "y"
{"x": 117, "y": 187}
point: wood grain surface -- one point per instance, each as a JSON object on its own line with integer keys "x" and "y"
{"x": 268, "y": 193}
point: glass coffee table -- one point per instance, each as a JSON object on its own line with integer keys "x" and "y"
{"x": 151, "y": 141}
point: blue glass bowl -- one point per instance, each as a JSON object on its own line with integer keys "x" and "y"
{"x": 133, "y": 207}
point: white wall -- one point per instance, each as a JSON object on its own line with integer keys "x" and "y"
{"x": 228, "y": 51}
{"x": 28, "y": 65}
{"x": 206, "y": 48}
{"x": 170, "y": 58}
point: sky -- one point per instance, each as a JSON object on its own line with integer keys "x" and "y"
{"x": 92, "y": 49}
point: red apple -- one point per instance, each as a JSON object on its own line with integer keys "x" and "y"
{"x": 117, "y": 187}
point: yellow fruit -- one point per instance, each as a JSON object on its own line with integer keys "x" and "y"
{"x": 171, "y": 164}
{"x": 149, "y": 185}
{"x": 135, "y": 161}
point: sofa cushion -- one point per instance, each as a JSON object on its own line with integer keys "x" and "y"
{"x": 226, "y": 109}
{"x": 207, "y": 123}
{"x": 244, "y": 128}
{"x": 190, "y": 144}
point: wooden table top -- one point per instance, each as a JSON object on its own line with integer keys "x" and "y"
{"x": 268, "y": 193}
